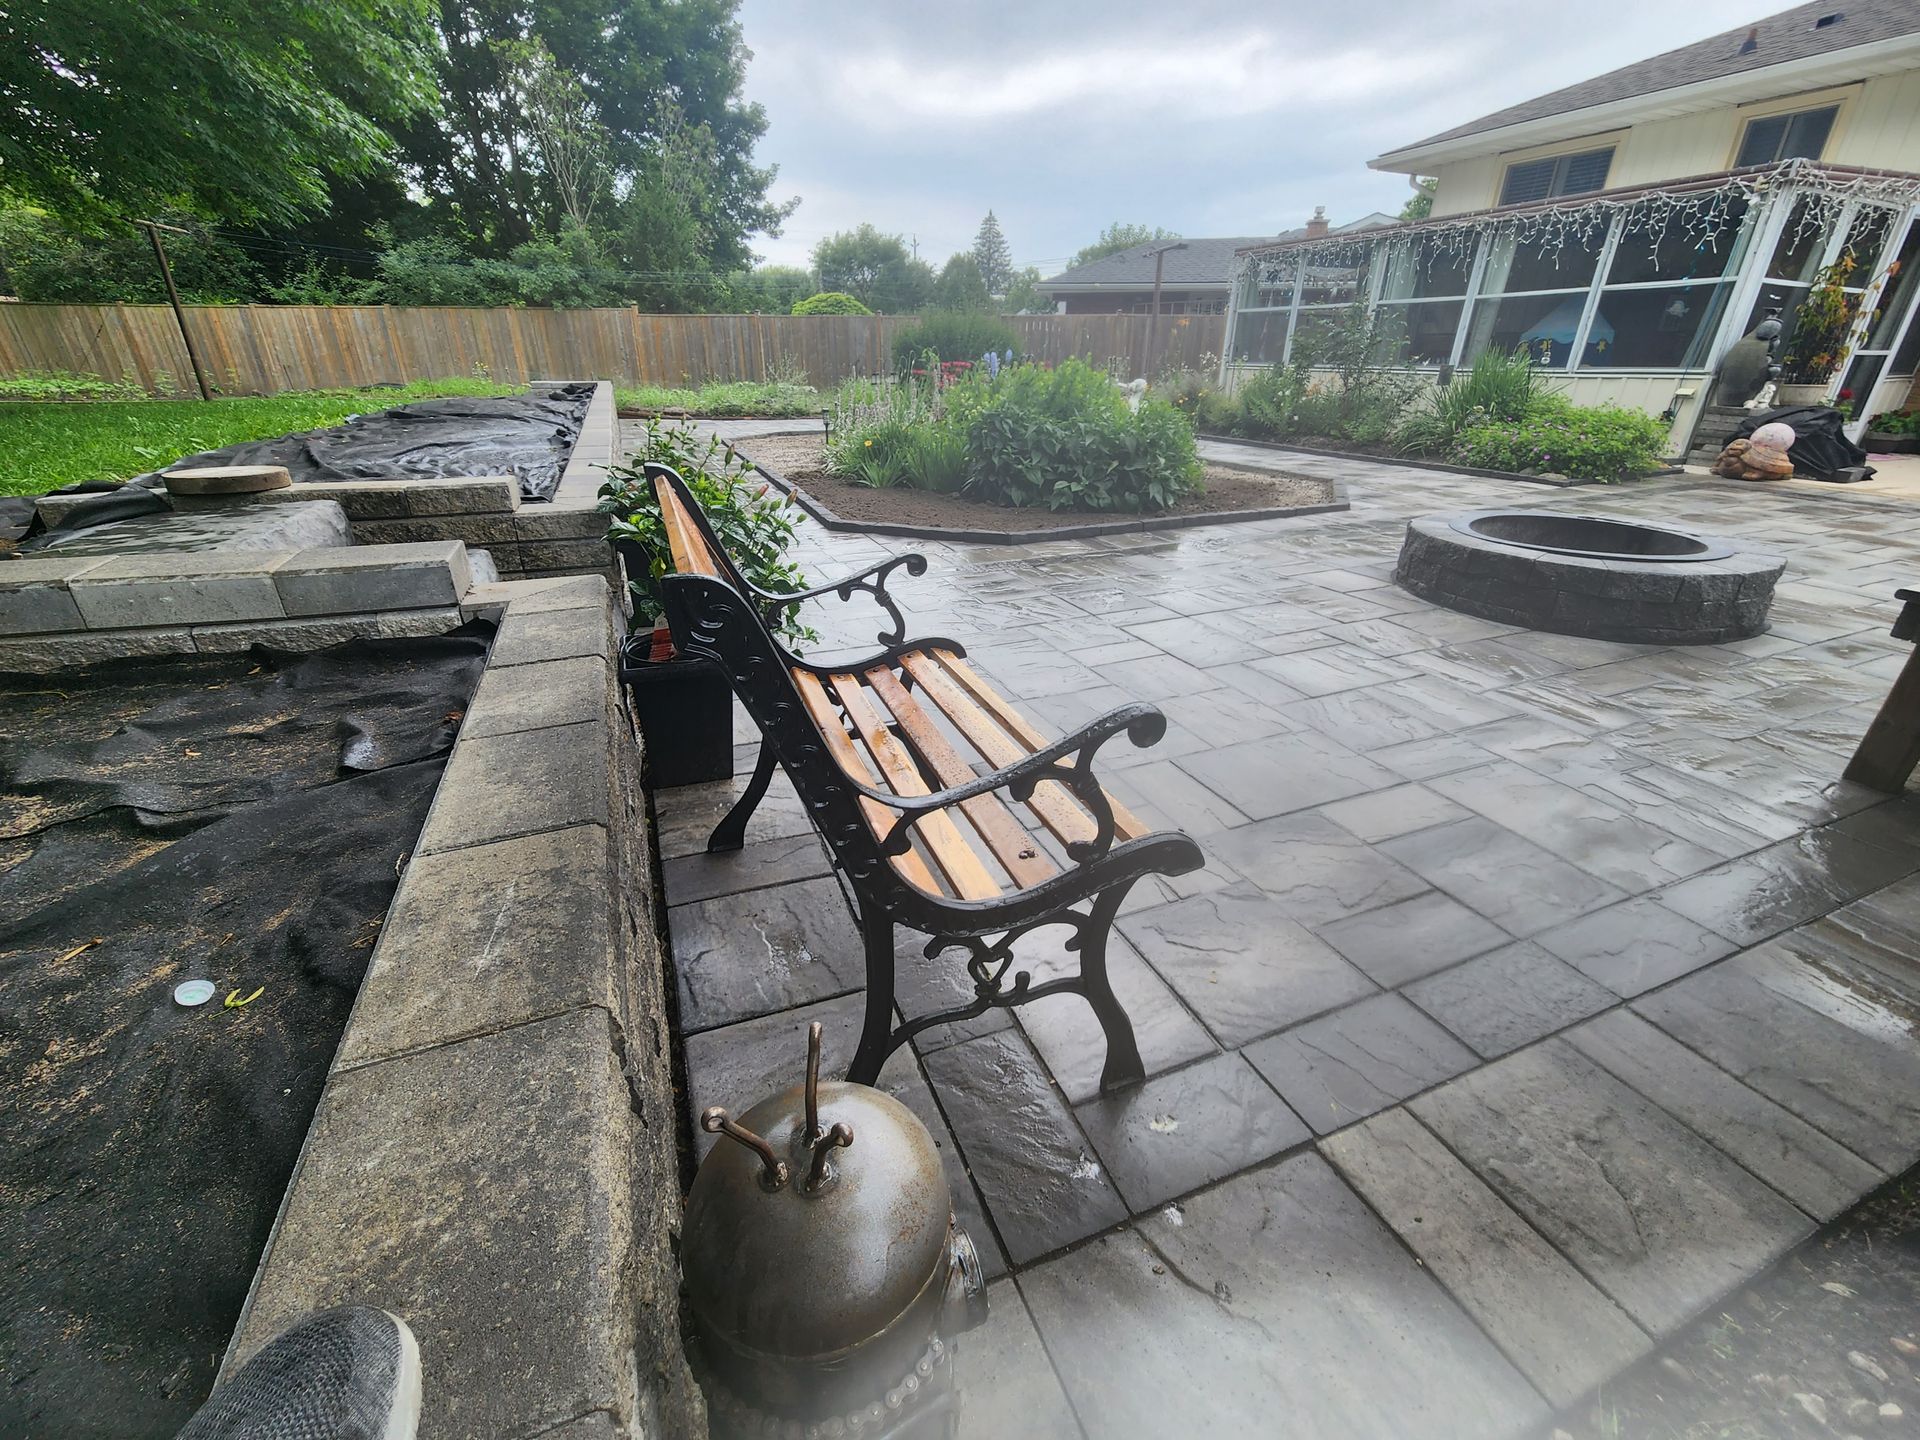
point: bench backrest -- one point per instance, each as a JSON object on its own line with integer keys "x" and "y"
{"x": 713, "y": 616}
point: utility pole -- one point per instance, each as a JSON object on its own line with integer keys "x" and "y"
{"x": 1159, "y": 253}
{"x": 153, "y": 229}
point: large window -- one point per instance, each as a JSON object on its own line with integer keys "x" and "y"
{"x": 1802, "y": 135}
{"x": 1533, "y": 295}
{"x": 1556, "y": 175}
{"x": 1667, "y": 286}
{"x": 1422, "y": 292}
{"x": 1261, "y": 319}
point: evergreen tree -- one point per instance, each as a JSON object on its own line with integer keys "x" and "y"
{"x": 993, "y": 255}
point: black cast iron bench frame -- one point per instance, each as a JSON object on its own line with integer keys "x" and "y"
{"x": 887, "y": 811}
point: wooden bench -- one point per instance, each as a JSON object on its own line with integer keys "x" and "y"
{"x": 944, "y": 809}
{"x": 1891, "y": 747}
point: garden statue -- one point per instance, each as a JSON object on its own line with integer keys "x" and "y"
{"x": 1761, "y": 456}
{"x": 1748, "y": 369}
{"x": 1135, "y": 391}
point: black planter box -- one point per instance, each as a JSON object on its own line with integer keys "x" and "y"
{"x": 1882, "y": 443}
{"x": 686, "y": 714}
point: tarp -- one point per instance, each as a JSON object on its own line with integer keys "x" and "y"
{"x": 526, "y": 436}
{"x": 240, "y": 819}
{"x": 1820, "y": 446}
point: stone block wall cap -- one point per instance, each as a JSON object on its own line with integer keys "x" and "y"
{"x": 187, "y": 565}
{"x": 409, "y": 554}
{"x": 47, "y": 570}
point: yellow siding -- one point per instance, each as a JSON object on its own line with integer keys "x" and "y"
{"x": 1879, "y": 128}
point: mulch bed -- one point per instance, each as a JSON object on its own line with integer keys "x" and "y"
{"x": 798, "y": 459}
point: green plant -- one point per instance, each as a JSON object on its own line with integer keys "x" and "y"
{"x": 1604, "y": 443}
{"x": 740, "y": 398}
{"x": 54, "y": 385}
{"x": 1818, "y": 343}
{"x": 830, "y": 302}
{"x": 1066, "y": 439}
{"x": 755, "y": 524}
{"x": 953, "y": 336}
{"x": 936, "y": 458}
{"x": 1366, "y": 397}
{"x": 1499, "y": 387}
{"x": 1896, "y": 422}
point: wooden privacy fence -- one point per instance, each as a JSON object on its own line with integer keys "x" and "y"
{"x": 264, "y": 349}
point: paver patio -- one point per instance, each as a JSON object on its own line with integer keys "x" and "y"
{"x": 1537, "y": 992}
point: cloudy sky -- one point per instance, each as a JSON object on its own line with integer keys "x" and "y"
{"x": 1210, "y": 117}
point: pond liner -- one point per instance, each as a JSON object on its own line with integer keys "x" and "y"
{"x": 526, "y": 436}
{"x": 242, "y": 820}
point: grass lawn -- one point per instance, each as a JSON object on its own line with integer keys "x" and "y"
{"x": 43, "y": 447}
{"x": 724, "y": 402}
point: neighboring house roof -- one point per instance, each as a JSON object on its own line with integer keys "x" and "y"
{"x": 1790, "y": 36}
{"x": 1204, "y": 264}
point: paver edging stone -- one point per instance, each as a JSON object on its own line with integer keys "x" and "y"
{"x": 1132, "y": 524}
{"x": 1410, "y": 462}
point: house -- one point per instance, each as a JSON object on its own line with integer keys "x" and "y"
{"x": 1194, "y": 280}
{"x": 1626, "y": 230}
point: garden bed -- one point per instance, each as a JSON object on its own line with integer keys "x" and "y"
{"x": 242, "y": 820}
{"x": 796, "y": 463}
{"x": 1386, "y": 455}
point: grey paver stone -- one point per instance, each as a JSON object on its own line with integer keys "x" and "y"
{"x": 1354, "y": 1062}
{"x": 1634, "y": 946}
{"x": 739, "y": 956}
{"x": 1313, "y": 869}
{"x": 1510, "y": 881}
{"x": 1508, "y": 998}
{"x": 1411, "y": 938}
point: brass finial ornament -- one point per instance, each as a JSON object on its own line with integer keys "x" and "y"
{"x": 826, "y": 1278}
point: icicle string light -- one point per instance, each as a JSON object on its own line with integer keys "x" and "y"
{"x": 1700, "y": 214}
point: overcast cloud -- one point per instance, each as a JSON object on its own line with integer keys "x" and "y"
{"x": 1207, "y": 117}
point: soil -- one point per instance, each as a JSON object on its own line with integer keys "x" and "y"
{"x": 797, "y": 459}
{"x": 1790, "y": 1348}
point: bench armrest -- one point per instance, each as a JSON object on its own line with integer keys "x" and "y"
{"x": 873, "y": 580}
{"x": 1143, "y": 724}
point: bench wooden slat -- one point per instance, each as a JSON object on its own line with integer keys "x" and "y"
{"x": 689, "y": 549}
{"x": 1012, "y": 846}
{"x": 879, "y": 819}
{"x": 949, "y": 848}
{"x": 1125, "y": 823}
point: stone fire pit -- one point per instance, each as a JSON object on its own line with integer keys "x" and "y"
{"x": 1590, "y": 575}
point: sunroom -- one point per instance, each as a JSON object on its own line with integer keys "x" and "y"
{"x": 1633, "y": 294}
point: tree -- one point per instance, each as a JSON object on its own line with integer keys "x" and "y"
{"x": 660, "y": 75}
{"x": 767, "y": 290}
{"x": 239, "y": 109}
{"x": 48, "y": 261}
{"x": 874, "y": 268}
{"x": 1024, "y": 295}
{"x": 1121, "y": 236}
{"x": 961, "y": 286}
{"x": 830, "y": 302}
{"x": 1421, "y": 205}
{"x": 993, "y": 255}
{"x": 567, "y": 134}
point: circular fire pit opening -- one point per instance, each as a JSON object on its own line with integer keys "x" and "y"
{"x": 1590, "y": 575}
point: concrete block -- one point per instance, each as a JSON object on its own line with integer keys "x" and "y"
{"x": 308, "y": 634}
{"x": 374, "y": 577}
{"x": 34, "y": 596}
{"x": 37, "y": 654}
{"x": 576, "y": 555}
{"x": 555, "y": 523}
{"x": 527, "y": 638}
{"x": 48, "y": 567}
{"x": 481, "y": 1191}
{"x": 500, "y": 786}
{"x": 517, "y": 698}
{"x": 469, "y": 495}
{"x": 569, "y": 592}
{"x": 489, "y": 937}
{"x": 487, "y": 530}
{"x": 357, "y": 499}
{"x": 180, "y": 588}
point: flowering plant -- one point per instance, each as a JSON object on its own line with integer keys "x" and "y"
{"x": 1818, "y": 344}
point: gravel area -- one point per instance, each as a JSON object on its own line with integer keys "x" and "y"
{"x": 797, "y": 459}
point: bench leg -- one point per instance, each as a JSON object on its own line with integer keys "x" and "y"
{"x": 731, "y": 832}
{"x": 1891, "y": 747}
{"x": 876, "y": 1034}
{"x": 1123, "y": 1066}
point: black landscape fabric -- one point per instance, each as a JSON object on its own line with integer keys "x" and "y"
{"x": 1820, "y": 445}
{"x": 239, "y": 819}
{"x": 526, "y": 436}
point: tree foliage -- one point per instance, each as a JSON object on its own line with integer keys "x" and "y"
{"x": 1421, "y": 205}
{"x": 47, "y": 261}
{"x": 1024, "y": 296}
{"x": 830, "y": 302}
{"x": 961, "y": 286}
{"x": 993, "y": 255}
{"x": 1122, "y": 236}
{"x": 874, "y": 268}
{"x": 239, "y": 109}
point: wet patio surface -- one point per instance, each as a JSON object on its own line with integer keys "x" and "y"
{"x": 1538, "y": 991}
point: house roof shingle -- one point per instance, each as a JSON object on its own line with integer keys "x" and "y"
{"x": 1789, "y": 35}
{"x": 1206, "y": 261}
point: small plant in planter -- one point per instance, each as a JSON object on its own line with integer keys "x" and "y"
{"x": 755, "y": 524}
{"x": 685, "y": 705}
{"x": 1818, "y": 344}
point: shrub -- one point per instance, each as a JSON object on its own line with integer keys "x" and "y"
{"x": 1267, "y": 403}
{"x": 951, "y": 337}
{"x": 1066, "y": 439}
{"x": 936, "y": 459}
{"x": 754, "y": 524}
{"x": 1604, "y": 443}
{"x": 1497, "y": 388}
{"x": 1896, "y": 422}
{"x": 830, "y": 302}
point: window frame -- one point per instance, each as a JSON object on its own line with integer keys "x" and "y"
{"x": 1561, "y": 161}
